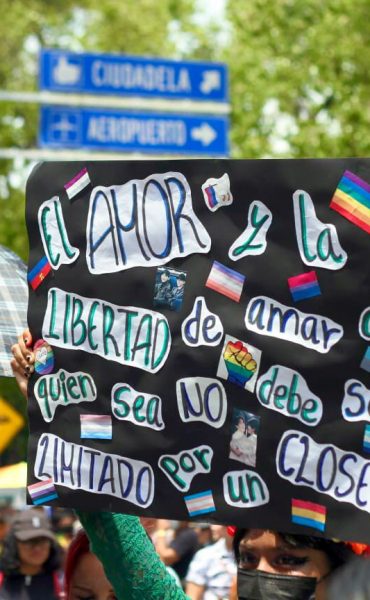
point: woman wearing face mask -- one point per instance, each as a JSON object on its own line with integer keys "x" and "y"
{"x": 271, "y": 565}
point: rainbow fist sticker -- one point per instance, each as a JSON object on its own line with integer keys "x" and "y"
{"x": 239, "y": 363}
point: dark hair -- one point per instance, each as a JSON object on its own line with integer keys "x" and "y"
{"x": 166, "y": 272}
{"x": 338, "y": 553}
{"x": 10, "y": 563}
{"x": 182, "y": 277}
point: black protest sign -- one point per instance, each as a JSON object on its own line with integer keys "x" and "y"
{"x": 202, "y": 334}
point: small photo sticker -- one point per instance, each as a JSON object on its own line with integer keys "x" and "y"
{"x": 243, "y": 443}
{"x": 169, "y": 288}
{"x": 239, "y": 363}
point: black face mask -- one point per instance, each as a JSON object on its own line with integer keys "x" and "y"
{"x": 258, "y": 585}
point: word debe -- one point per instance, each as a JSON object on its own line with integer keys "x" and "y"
{"x": 201, "y": 399}
{"x": 202, "y": 327}
{"x": 63, "y": 388}
{"x": 142, "y": 223}
{"x": 286, "y": 391}
{"x": 356, "y": 401}
{"x": 128, "y": 335}
{"x": 78, "y": 467}
{"x": 245, "y": 489}
{"x": 318, "y": 243}
{"x": 325, "y": 468}
{"x": 54, "y": 234}
{"x": 136, "y": 407}
{"x": 268, "y": 317}
{"x": 181, "y": 468}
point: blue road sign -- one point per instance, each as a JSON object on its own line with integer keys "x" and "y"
{"x": 62, "y": 71}
{"x": 125, "y": 131}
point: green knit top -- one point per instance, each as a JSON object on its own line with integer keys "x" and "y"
{"x": 130, "y": 561}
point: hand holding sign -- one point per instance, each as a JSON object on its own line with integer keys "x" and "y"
{"x": 239, "y": 363}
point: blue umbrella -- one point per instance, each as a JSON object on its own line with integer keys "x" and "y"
{"x": 13, "y": 305}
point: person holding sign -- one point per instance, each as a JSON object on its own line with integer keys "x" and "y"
{"x": 270, "y": 564}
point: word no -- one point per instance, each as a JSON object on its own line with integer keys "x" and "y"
{"x": 201, "y": 399}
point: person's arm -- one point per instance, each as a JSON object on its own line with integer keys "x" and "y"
{"x": 195, "y": 591}
{"x": 129, "y": 559}
{"x": 128, "y": 556}
{"x": 167, "y": 554}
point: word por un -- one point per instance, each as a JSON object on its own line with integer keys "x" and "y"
{"x": 287, "y": 392}
{"x": 181, "y": 468}
{"x": 78, "y": 467}
{"x": 245, "y": 489}
{"x": 201, "y": 399}
{"x": 318, "y": 243}
{"x": 356, "y": 401}
{"x": 202, "y": 327}
{"x": 128, "y": 335}
{"x": 137, "y": 407}
{"x": 325, "y": 468}
{"x": 144, "y": 223}
{"x": 63, "y": 388}
{"x": 268, "y": 317}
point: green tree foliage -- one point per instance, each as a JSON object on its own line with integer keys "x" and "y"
{"x": 299, "y": 77}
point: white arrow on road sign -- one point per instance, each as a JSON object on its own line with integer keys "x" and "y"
{"x": 205, "y": 134}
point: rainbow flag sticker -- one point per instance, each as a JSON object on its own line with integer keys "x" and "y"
{"x": 304, "y": 286}
{"x": 38, "y": 273}
{"x": 225, "y": 281}
{"x": 96, "y": 427}
{"x": 308, "y": 514}
{"x": 352, "y": 200}
{"x": 42, "y": 491}
{"x": 44, "y": 357}
{"x": 77, "y": 184}
{"x": 367, "y": 439}
{"x": 200, "y": 504}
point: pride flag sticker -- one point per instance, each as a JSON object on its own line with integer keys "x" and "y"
{"x": 367, "y": 439}
{"x": 77, "y": 184}
{"x": 42, "y": 491}
{"x": 225, "y": 281}
{"x": 200, "y": 504}
{"x": 304, "y": 286}
{"x": 96, "y": 427}
{"x": 308, "y": 514}
{"x": 352, "y": 200}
